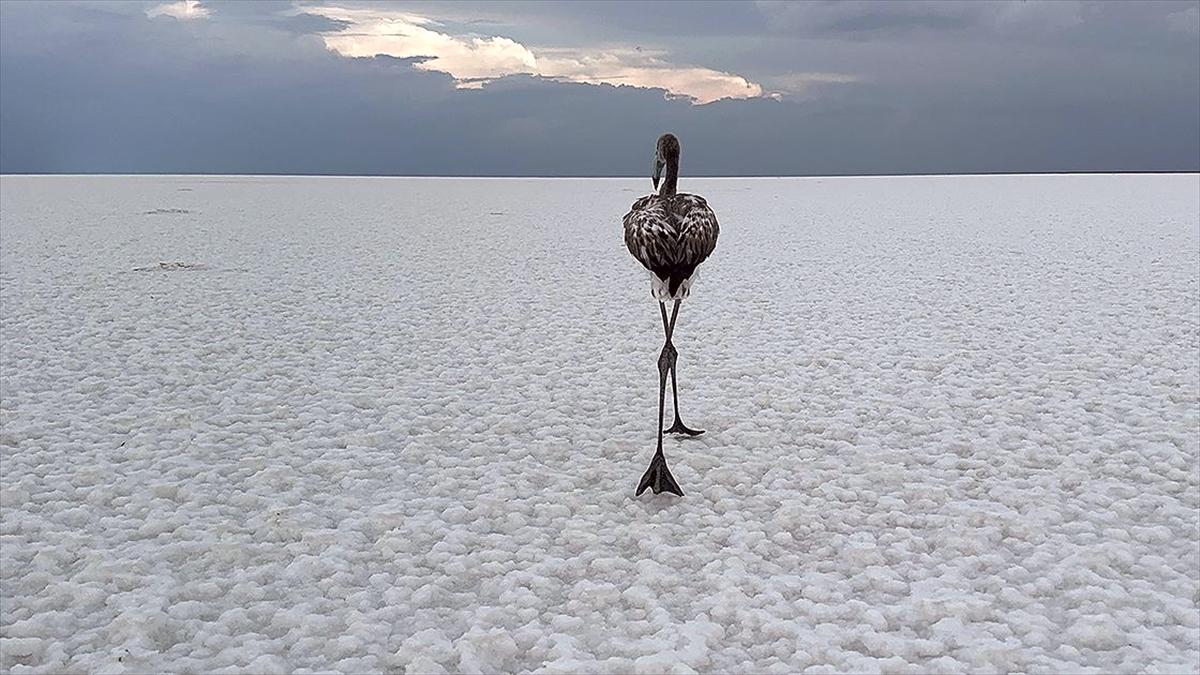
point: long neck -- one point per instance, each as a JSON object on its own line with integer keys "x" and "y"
{"x": 668, "y": 185}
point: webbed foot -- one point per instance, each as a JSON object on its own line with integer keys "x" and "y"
{"x": 680, "y": 428}
{"x": 658, "y": 478}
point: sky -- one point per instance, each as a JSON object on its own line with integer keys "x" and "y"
{"x": 584, "y": 89}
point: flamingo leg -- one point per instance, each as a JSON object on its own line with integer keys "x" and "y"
{"x": 669, "y": 327}
{"x": 658, "y": 477}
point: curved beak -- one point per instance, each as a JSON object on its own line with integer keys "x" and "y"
{"x": 658, "y": 165}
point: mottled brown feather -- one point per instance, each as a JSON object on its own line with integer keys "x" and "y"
{"x": 670, "y": 236}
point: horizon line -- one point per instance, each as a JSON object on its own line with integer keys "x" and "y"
{"x": 602, "y": 177}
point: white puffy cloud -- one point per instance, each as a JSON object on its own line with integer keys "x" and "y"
{"x": 474, "y": 60}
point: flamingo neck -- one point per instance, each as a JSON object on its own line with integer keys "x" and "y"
{"x": 672, "y": 177}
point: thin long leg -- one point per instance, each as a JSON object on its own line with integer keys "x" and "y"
{"x": 658, "y": 477}
{"x": 662, "y": 393}
{"x": 678, "y": 427}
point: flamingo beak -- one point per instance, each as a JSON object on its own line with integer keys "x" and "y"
{"x": 658, "y": 165}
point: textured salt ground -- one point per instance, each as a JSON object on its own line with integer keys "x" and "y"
{"x": 393, "y": 424}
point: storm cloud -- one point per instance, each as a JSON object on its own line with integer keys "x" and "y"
{"x": 583, "y": 89}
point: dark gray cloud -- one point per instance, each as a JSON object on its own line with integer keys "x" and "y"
{"x": 936, "y": 87}
{"x": 926, "y": 17}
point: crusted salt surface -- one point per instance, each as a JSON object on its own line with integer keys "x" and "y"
{"x": 952, "y": 426}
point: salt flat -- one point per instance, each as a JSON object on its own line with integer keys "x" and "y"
{"x": 364, "y": 424}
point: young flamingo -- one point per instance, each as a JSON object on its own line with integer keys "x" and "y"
{"x": 670, "y": 233}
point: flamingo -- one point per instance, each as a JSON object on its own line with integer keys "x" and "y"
{"x": 670, "y": 233}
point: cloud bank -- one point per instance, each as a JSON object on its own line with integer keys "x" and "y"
{"x": 476, "y": 60}
{"x": 563, "y": 89}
